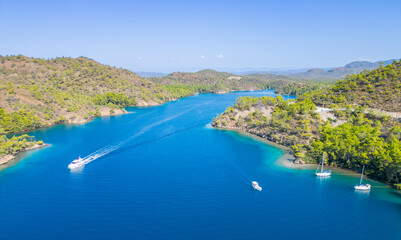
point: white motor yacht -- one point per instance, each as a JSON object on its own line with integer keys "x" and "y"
{"x": 77, "y": 163}
{"x": 256, "y": 186}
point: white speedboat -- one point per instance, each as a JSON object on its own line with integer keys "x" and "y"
{"x": 77, "y": 163}
{"x": 256, "y": 186}
{"x": 364, "y": 187}
{"x": 320, "y": 172}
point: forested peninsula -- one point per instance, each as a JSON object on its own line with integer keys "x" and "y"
{"x": 360, "y": 124}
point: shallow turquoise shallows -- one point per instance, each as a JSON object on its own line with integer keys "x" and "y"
{"x": 163, "y": 173}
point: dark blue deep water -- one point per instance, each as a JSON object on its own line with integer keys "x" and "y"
{"x": 167, "y": 175}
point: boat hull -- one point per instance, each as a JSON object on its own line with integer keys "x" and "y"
{"x": 364, "y": 187}
{"x": 323, "y": 174}
{"x": 75, "y": 166}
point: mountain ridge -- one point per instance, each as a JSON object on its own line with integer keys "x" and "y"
{"x": 44, "y": 92}
{"x": 336, "y": 73}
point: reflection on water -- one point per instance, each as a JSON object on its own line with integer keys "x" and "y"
{"x": 77, "y": 170}
{"x": 361, "y": 195}
{"x": 322, "y": 182}
{"x": 362, "y": 192}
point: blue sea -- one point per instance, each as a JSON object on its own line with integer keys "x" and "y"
{"x": 163, "y": 173}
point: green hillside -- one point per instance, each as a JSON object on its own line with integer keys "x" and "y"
{"x": 37, "y": 92}
{"x": 211, "y": 81}
{"x": 221, "y": 82}
{"x": 286, "y": 84}
{"x": 379, "y": 89}
{"x": 350, "y": 135}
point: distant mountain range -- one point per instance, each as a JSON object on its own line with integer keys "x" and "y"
{"x": 271, "y": 72}
{"x": 329, "y": 73}
{"x": 210, "y": 77}
{"x": 151, "y": 74}
{"x": 341, "y": 72}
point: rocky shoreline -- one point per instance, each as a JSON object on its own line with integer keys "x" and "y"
{"x": 265, "y": 138}
{"x": 7, "y": 159}
{"x": 104, "y": 112}
{"x": 288, "y": 158}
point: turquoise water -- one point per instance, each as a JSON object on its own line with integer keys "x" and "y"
{"x": 165, "y": 174}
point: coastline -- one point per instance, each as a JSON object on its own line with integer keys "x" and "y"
{"x": 288, "y": 157}
{"x": 7, "y": 160}
{"x": 286, "y": 160}
{"x": 105, "y": 111}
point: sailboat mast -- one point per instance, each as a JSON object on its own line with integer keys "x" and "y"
{"x": 322, "y": 162}
{"x": 363, "y": 168}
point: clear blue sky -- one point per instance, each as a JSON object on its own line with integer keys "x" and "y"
{"x": 177, "y": 35}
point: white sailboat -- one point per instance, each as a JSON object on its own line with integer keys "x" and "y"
{"x": 320, "y": 172}
{"x": 366, "y": 186}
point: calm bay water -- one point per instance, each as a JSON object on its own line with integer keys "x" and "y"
{"x": 167, "y": 175}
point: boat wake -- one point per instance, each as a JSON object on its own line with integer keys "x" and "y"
{"x": 239, "y": 172}
{"x": 99, "y": 153}
{"x": 169, "y": 133}
{"x": 108, "y": 149}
